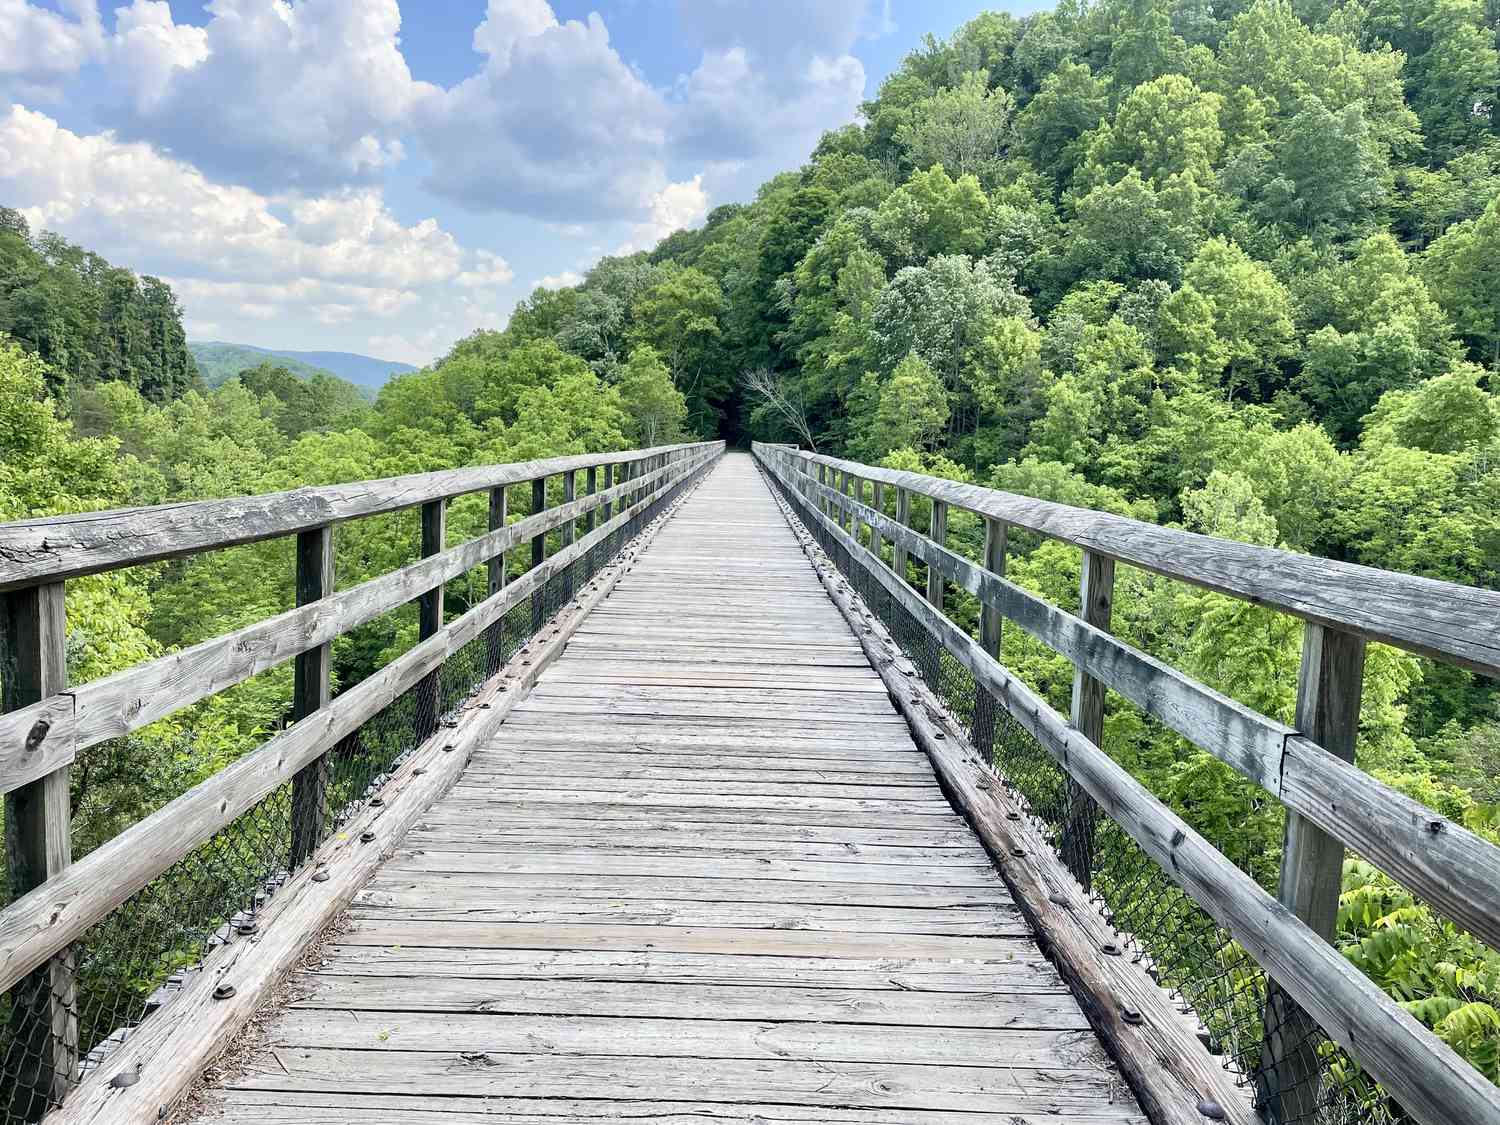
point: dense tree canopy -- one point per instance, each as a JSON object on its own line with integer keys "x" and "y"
{"x": 1235, "y": 268}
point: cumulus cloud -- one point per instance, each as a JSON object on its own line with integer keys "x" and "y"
{"x": 165, "y": 215}
{"x": 555, "y": 125}
{"x": 269, "y": 94}
{"x": 564, "y": 280}
{"x": 40, "y": 47}
{"x": 676, "y": 206}
{"x": 230, "y": 252}
{"x": 773, "y": 75}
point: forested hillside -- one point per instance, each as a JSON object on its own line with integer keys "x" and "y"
{"x": 218, "y": 362}
{"x": 1235, "y": 268}
{"x": 92, "y": 322}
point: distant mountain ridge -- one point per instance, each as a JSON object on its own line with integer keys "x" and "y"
{"x": 218, "y": 362}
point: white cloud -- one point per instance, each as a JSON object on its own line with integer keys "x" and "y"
{"x": 489, "y": 269}
{"x": 508, "y": 21}
{"x": 564, "y": 280}
{"x": 676, "y": 206}
{"x": 40, "y": 47}
{"x": 555, "y": 125}
{"x": 271, "y": 94}
{"x": 233, "y": 254}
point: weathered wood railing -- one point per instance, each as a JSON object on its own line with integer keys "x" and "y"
{"x": 1331, "y": 804}
{"x": 46, "y": 723}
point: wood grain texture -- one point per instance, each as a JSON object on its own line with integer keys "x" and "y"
{"x": 46, "y": 919}
{"x": 1430, "y": 1081}
{"x": 168, "y": 1051}
{"x": 59, "y": 547}
{"x": 672, "y": 880}
{"x": 1443, "y": 620}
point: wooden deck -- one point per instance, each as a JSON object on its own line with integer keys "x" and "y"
{"x": 702, "y": 874}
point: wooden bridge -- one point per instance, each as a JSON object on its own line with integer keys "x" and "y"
{"x": 709, "y": 810}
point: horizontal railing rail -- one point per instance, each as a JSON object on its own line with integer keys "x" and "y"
{"x": 57, "y": 547}
{"x": 1308, "y": 767}
{"x": 1443, "y": 620}
{"x": 48, "y": 723}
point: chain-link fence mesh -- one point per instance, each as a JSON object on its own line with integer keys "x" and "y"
{"x": 67, "y": 1018}
{"x": 1182, "y": 947}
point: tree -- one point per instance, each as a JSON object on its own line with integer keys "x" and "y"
{"x": 655, "y": 406}
{"x": 1249, "y": 312}
{"x": 932, "y": 214}
{"x": 680, "y": 317}
{"x": 1054, "y": 127}
{"x": 1463, "y": 270}
{"x": 963, "y": 128}
{"x": 911, "y": 409}
{"x": 1163, "y": 128}
{"x": 1328, "y": 176}
{"x": 779, "y": 397}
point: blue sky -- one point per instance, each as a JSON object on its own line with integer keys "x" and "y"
{"x": 366, "y": 176}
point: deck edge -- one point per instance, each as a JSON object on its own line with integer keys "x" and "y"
{"x": 1169, "y": 1070}
{"x": 144, "y": 1081}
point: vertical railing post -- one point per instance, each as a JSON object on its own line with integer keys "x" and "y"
{"x": 903, "y": 517}
{"x": 1329, "y": 685}
{"x": 608, "y": 506}
{"x": 938, "y": 532}
{"x": 310, "y": 693}
{"x": 430, "y": 615}
{"x": 994, "y": 562}
{"x": 495, "y": 572}
{"x": 822, "y": 479}
{"x": 38, "y": 845}
{"x": 1096, "y": 597}
{"x": 538, "y": 554}
{"x": 590, "y": 487}
{"x": 877, "y": 501}
{"x": 569, "y": 530}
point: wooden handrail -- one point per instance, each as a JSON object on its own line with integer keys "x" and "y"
{"x": 1443, "y": 620}
{"x": 44, "y": 921}
{"x": 115, "y": 705}
{"x": 1451, "y": 867}
{"x": 53, "y": 548}
{"x": 1442, "y": 861}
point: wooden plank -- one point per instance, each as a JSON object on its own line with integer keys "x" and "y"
{"x": 283, "y": 1107}
{"x": 38, "y": 848}
{"x": 58, "y": 547}
{"x": 886, "y": 1006}
{"x": 643, "y": 843}
{"x": 999, "y": 1089}
{"x": 633, "y": 913}
{"x": 400, "y": 1029}
{"x": 422, "y": 857}
{"x": 410, "y": 881}
{"x": 925, "y": 980}
{"x": 45, "y": 920}
{"x": 1329, "y": 684}
{"x": 411, "y": 933}
{"x": 1096, "y": 601}
{"x": 36, "y": 740}
{"x": 1425, "y": 1075}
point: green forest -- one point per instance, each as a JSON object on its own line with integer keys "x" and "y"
{"x": 1234, "y": 268}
